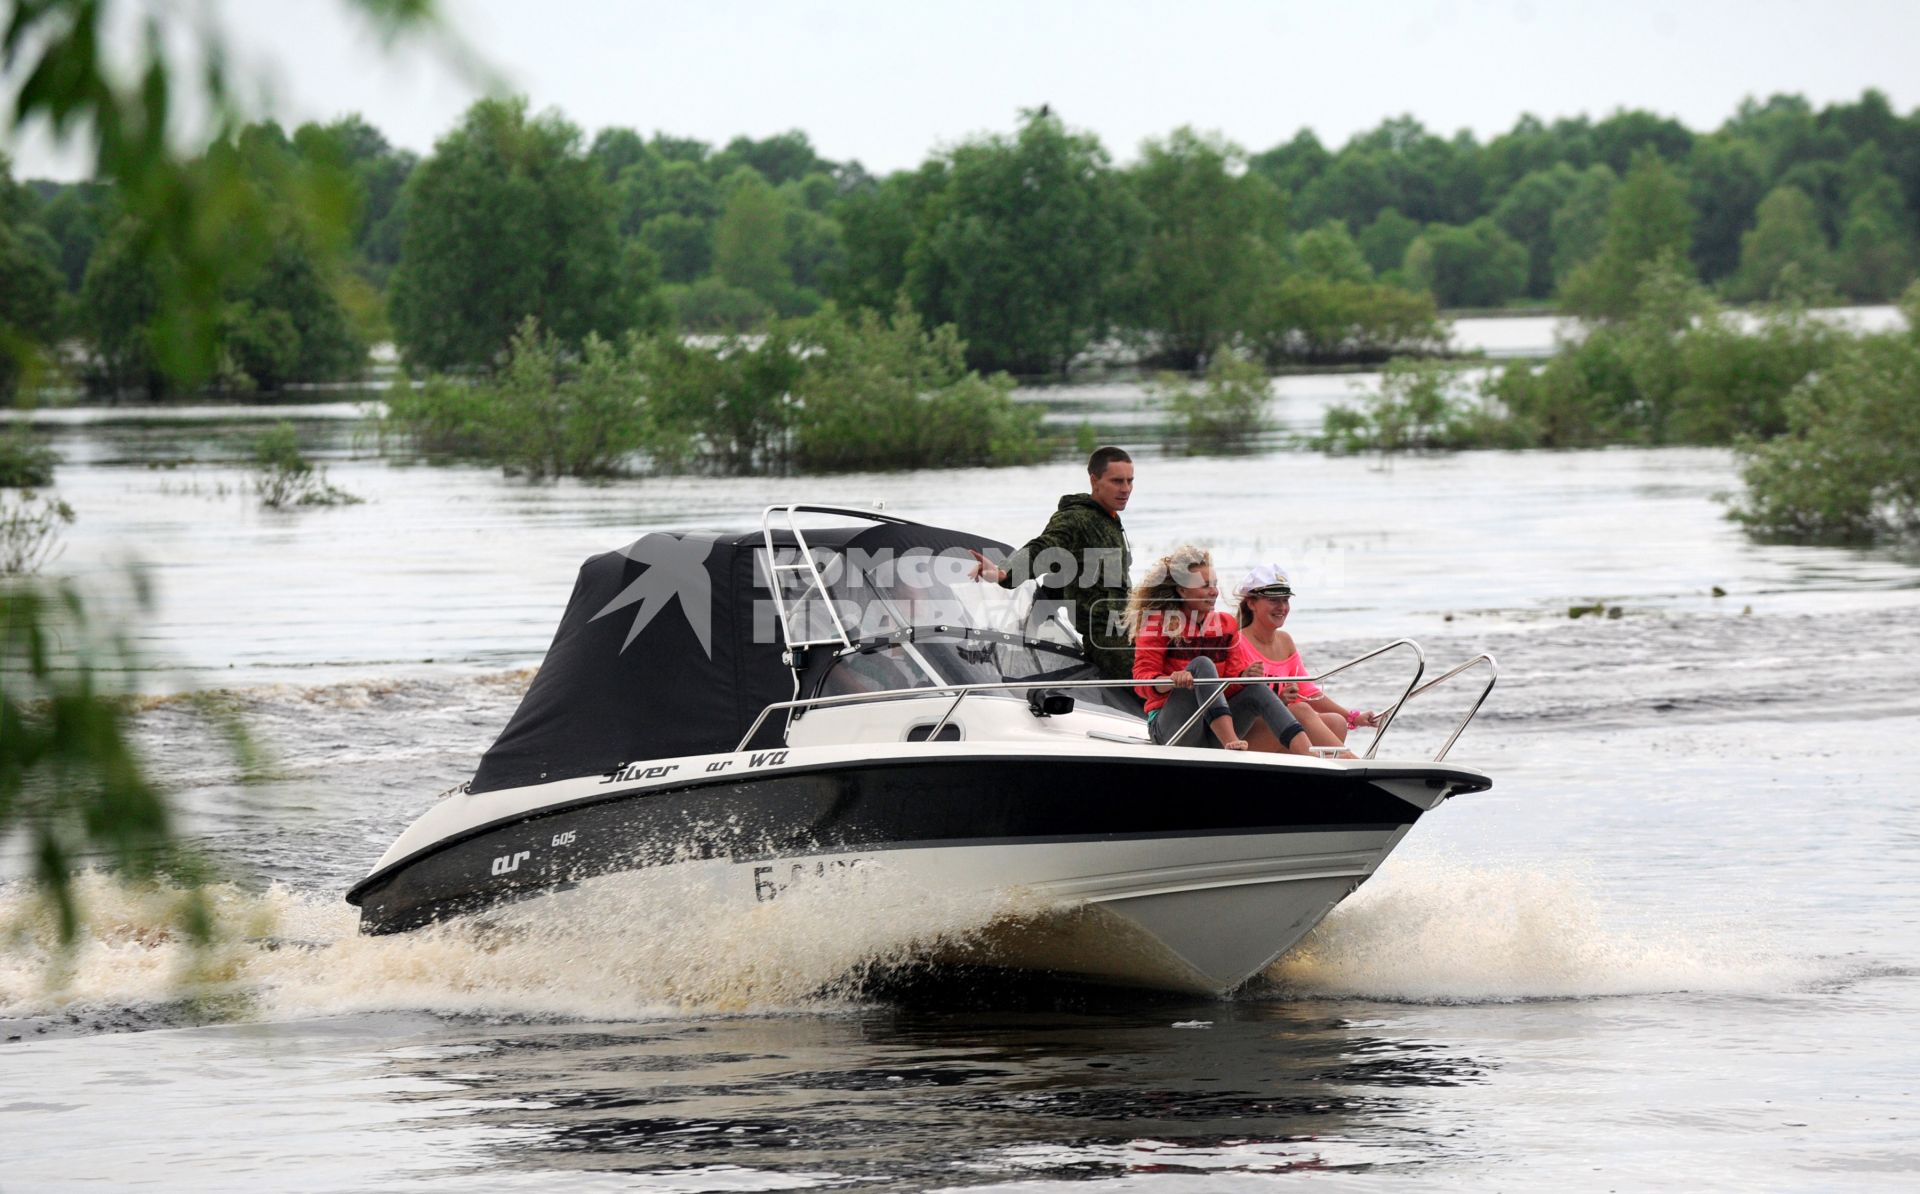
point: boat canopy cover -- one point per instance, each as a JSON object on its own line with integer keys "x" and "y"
{"x": 672, "y": 646}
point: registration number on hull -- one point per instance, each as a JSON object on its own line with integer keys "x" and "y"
{"x": 772, "y": 879}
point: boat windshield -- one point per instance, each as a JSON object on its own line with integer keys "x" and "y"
{"x": 853, "y": 597}
{"x": 918, "y": 619}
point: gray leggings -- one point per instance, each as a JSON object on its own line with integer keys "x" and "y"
{"x": 1253, "y": 701}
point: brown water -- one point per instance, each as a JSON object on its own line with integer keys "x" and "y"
{"x": 1678, "y": 943}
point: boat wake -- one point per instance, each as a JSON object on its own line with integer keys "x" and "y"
{"x": 654, "y": 944}
{"x": 1438, "y": 931}
{"x": 628, "y": 947}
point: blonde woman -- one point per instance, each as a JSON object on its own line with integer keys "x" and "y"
{"x": 1266, "y": 598}
{"x": 1180, "y": 637}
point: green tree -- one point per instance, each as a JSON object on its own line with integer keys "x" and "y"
{"x": 1786, "y": 236}
{"x": 1877, "y": 252}
{"x": 878, "y": 228}
{"x": 815, "y": 255}
{"x": 317, "y": 342}
{"x": 1355, "y": 187}
{"x": 1022, "y": 255}
{"x": 30, "y": 281}
{"x": 377, "y": 172}
{"x": 1330, "y": 252}
{"x": 1197, "y": 262}
{"x": 712, "y": 306}
{"x": 1296, "y": 316}
{"x": 1472, "y": 266}
{"x": 750, "y": 241}
{"x": 1530, "y": 147}
{"x": 1845, "y": 468}
{"x": 1628, "y": 134}
{"x": 1648, "y": 220}
{"x": 1291, "y": 166}
{"x": 615, "y": 149}
{"x": 1580, "y": 225}
{"x": 508, "y": 220}
{"x": 1385, "y": 241}
{"x": 77, "y": 218}
{"x": 1526, "y": 213}
{"x": 120, "y": 299}
{"x": 732, "y": 399}
{"x": 888, "y": 392}
{"x": 1726, "y": 179}
{"x": 683, "y": 244}
{"x": 782, "y": 158}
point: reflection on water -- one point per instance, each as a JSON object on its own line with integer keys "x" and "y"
{"x": 882, "y": 1095}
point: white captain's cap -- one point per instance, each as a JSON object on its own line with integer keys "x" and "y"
{"x": 1267, "y": 580}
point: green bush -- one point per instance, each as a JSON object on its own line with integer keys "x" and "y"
{"x": 442, "y": 417}
{"x": 711, "y": 305}
{"x": 1848, "y": 466}
{"x": 822, "y": 394}
{"x": 283, "y": 476}
{"x": 25, "y": 462}
{"x": 726, "y": 401}
{"x": 1676, "y": 370}
{"x": 887, "y": 393}
{"x": 557, "y": 414}
{"x": 1421, "y": 406}
{"x": 30, "y": 531}
{"x": 1226, "y": 415}
{"x": 548, "y": 412}
{"x": 1299, "y": 317}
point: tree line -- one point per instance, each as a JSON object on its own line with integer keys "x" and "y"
{"x": 1033, "y": 244}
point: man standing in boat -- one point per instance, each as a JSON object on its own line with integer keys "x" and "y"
{"x": 1083, "y": 561}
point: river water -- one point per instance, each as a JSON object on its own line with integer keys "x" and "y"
{"x": 1677, "y": 944}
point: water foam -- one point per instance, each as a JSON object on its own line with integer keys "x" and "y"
{"x": 664, "y": 942}
{"x": 1441, "y": 931}
{"x": 634, "y": 946}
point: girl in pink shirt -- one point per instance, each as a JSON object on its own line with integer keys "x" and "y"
{"x": 1266, "y": 598}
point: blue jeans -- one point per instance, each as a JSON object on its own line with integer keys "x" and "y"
{"x": 1254, "y": 702}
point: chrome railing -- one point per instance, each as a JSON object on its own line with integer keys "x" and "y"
{"x": 1493, "y": 677}
{"x": 960, "y": 692}
{"x": 807, "y": 566}
{"x": 1419, "y": 669}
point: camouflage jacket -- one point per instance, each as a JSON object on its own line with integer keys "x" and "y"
{"x": 1082, "y": 560}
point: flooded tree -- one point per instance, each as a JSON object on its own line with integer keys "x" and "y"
{"x": 1026, "y": 241}
{"x": 508, "y": 219}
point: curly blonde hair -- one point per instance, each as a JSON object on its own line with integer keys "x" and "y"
{"x": 1159, "y": 589}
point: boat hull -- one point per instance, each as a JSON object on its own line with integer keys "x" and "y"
{"x": 1174, "y": 873}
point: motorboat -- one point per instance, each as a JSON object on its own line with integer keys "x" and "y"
{"x": 808, "y": 703}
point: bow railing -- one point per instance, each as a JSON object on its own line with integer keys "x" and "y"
{"x": 960, "y": 692}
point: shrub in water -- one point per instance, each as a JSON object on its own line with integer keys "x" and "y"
{"x": 25, "y": 463}
{"x": 727, "y": 401}
{"x": 882, "y": 392}
{"x": 1420, "y": 406}
{"x": 1848, "y": 466}
{"x": 30, "y": 531}
{"x": 283, "y": 476}
{"x": 1314, "y": 319}
{"x": 1226, "y": 415}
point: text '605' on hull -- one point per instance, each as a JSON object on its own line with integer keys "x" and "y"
{"x": 949, "y": 756}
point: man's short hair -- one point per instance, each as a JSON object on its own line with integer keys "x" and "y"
{"x": 1102, "y": 457}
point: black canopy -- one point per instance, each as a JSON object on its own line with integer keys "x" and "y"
{"x": 670, "y": 647}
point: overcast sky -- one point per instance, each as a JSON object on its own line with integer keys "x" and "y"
{"x": 886, "y": 83}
